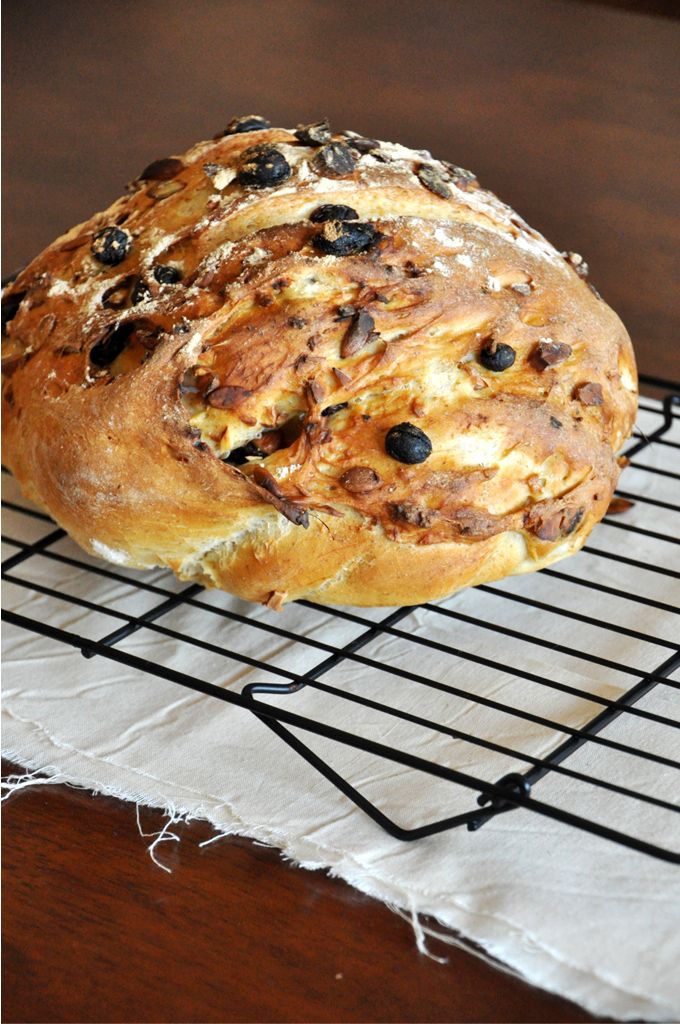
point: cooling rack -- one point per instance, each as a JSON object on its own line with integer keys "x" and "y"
{"x": 591, "y": 648}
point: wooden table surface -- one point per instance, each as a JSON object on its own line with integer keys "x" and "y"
{"x": 566, "y": 109}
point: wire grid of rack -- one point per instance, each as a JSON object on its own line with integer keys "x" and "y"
{"x": 500, "y": 649}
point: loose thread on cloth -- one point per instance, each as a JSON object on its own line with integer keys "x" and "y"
{"x": 50, "y": 776}
{"x": 419, "y": 933}
{"x": 174, "y": 817}
{"x": 213, "y": 839}
{"x": 233, "y": 832}
{"x": 421, "y": 930}
{"x": 38, "y": 777}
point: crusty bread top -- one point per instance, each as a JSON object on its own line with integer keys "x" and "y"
{"x": 121, "y": 389}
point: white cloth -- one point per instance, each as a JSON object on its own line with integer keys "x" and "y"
{"x": 575, "y": 914}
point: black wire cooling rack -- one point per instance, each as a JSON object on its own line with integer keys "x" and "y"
{"x": 641, "y": 817}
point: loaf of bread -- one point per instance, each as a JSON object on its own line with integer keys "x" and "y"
{"x": 307, "y": 364}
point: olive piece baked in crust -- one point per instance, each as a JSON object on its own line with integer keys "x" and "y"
{"x": 180, "y": 417}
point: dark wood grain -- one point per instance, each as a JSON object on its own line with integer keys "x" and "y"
{"x": 565, "y": 109}
{"x": 95, "y": 932}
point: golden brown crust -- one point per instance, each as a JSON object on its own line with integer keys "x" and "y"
{"x": 127, "y": 390}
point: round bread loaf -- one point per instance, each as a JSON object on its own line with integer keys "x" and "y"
{"x": 306, "y": 364}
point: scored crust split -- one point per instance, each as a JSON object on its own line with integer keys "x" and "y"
{"x": 305, "y": 364}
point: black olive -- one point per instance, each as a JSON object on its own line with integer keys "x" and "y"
{"x": 459, "y": 176}
{"x": 335, "y": 159}
{"x": 330, "y": 410}
{"x": 497, "y": 357}
{"x": 434, "y": 180}
{"x": 263, "y": 166}
{"x": 313, "y": 134}
{"x": 111, "y": 245}
{"x": 344, "y": 312}
{"x": 331, "y": 211}
{"x": 166, "y": 274}
{"x": 408, "y": 443}
{"x": 361, "y": 144}
{"x": 112, "y": 344}
{"x": 140, "y": 292}
{"x": 344, "y": 238}
{"x": 237, "y": 456}
{"x": 247, "y": 123}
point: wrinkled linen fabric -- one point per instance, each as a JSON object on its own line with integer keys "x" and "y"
{"x": 571, "y": 912}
